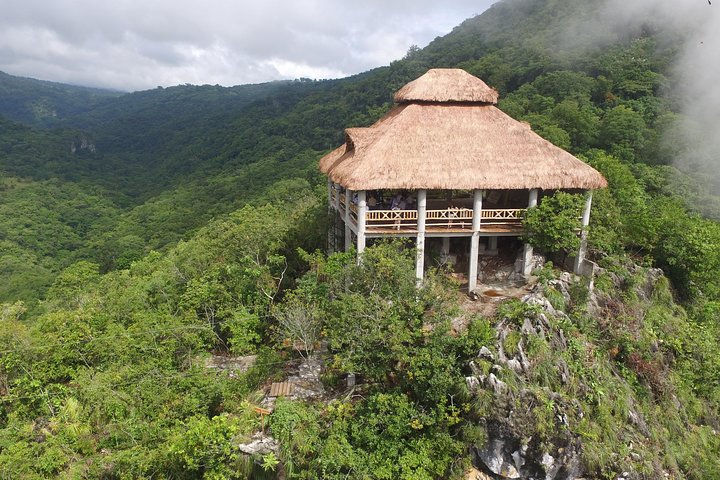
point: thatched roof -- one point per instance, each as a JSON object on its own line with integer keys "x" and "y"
{"x": 452, "y": 144}
{"x": 447, "y": 85}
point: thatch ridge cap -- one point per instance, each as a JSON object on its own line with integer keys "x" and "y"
{"x": 447, "y": 85}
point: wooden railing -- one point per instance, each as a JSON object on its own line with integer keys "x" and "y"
{"x": 390, "y": 218}
{"x": 333, "y": 195}
{"x": 505, "y": 216}
{"x": 449, "y": 218}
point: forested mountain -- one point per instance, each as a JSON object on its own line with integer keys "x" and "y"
{"x": 139, "y": 232}
{"x": 43, "y": 103}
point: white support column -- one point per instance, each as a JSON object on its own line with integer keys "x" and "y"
{"x": 362, "y": 208}
{"x": 348, "y": 231}
{"x": 445, "y": 250}
{"x": 420, "y": 243}
{"x": 533, "y": 198}
{"x": 528, "y": 249}
{"x": 475, "y": 240}
{"x": 492, "y": 246}
{"x": 583, "y": 233}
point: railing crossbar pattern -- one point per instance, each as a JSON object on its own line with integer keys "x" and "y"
{"x": 391, "y": 218}
{"x": 502, "y": 216}
{"x": 449, "y": 218}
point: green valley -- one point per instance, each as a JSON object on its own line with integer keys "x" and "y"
{"x": 146, "y": 235}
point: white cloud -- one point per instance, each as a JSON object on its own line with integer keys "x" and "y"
{"x": 128, "y": 44}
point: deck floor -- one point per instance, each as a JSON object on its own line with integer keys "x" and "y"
{"x": 412, "y": 231}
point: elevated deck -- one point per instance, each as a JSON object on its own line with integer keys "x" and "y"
{"x": 454, "y": 221}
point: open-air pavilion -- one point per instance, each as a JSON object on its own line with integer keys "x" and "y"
{"x": 446, "y": 162}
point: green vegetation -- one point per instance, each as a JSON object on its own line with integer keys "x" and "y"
{"x": 46, "y": 103}
{"x": 554, "y": 223}
{"x": 143, "y": 232}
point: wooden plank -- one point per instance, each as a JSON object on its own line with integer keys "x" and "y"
{"x": 281, "y": 389}
{"x": 501, "y": 228}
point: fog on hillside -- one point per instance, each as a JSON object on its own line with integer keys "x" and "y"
{"x": 694, "y": 77}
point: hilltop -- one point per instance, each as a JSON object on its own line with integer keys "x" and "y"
{"x": 145, "y": 234}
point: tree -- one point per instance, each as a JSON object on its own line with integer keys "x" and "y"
{"x": 554, "y": 224}
{"x": 623, "y": 131}
{"x": 300, "y": 323}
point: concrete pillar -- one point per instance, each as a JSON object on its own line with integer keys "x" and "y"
{"x": 445, "y": 250}
{"x": 492, "y": 246}
{"x": 583, "y": 233}
{"x": 420, "y": 243}
{"x": 528, "y": 249}
{"x": 533, "y": 198}
{"x": 475, "y": 240}
{"x": 362, "y": 208}
{"x": 348, "y": 231}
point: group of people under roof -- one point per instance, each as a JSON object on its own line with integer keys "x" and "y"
{"x": 375, "y": 200}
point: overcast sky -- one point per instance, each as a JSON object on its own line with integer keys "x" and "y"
{"x": 132, "y": 44}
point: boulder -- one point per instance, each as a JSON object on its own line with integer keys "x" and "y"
{"x": 260, "y": 444}
{"x": 494, "y": 457}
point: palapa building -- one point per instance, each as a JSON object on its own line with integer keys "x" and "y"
{"x": 446, "y": 162}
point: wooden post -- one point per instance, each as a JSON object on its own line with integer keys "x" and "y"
{"x": 334, "y": 213}
{"x": 262, "y": 412}
{"x": 338, "y": 246}
{"x": 362, "y": 208}
{"x": 475, "y": 240}
{"x": 348, "y": 231}
{"x": 420, "y": 243}
{"x": 331, "y": 228}
{"x": 583, "y": 233}
{"x": 528, "y": 249}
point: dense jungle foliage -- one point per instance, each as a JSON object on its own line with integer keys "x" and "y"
{"x": 141, "y": 232}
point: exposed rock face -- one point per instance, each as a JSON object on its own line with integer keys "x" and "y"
{"x": 508, "y": 455}
{"x": 475, "y": 474}
{"x": 536, "y": 261}
{"x": 494, "y": 457}
{"x": 260, "y": 444}
{"x": 514, "y": 449}
{"x": 305, "y": 382}
{"x": 598, "y": 301}
{"x": 527, "y": 425}
{"x": 232, "y": 366}
{"x": 82, "y": 143}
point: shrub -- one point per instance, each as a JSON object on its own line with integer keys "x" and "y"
{"x": 553, "y": 225}
{"x": 243, "y": 332}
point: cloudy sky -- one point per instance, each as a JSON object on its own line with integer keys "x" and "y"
{"x": 133, "y": 44}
